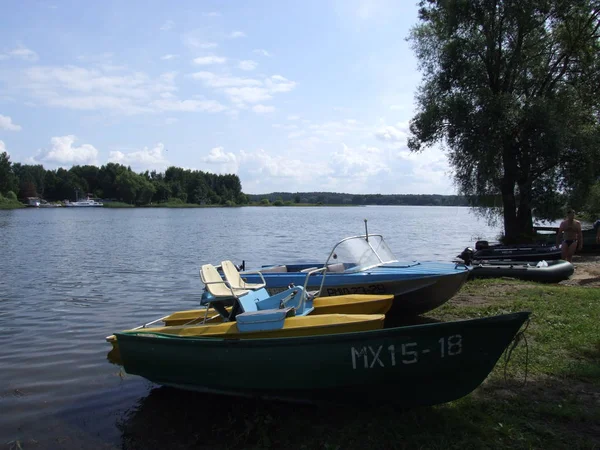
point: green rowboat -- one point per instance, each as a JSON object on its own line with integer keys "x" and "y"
{"x": 407, "y": 366}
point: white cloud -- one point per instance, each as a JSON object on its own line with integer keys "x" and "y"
{"x": 188, "y": 105}
{"x": 336, "y": 129}
{"x": 219, "y": 156}
{"x": 261, "y": 171}
{"x": 391, "y": 133}
{"x": 261, "y": 109}
{"x": 168, "y": 25}
{"x": 429, "y": 170}
{"x": 209, "y": 60}
{"x": 3, "y": 148}
{"x": 247, "y": 64}
{"x": 222, "y": 161}
{"x": 293, "y": 117}
{"x": 141, "y": 160}
{"x": 6, "y": 123}
{"x": 262, "y": 51}
{"x": 296, "y": 134}
{"x": 171, "y": 120}
{"x": 361, "y": 162}
{"x": 241, "y": 91}
{"x": 129, "y": 92}
{"x": 64, "y": 153}
{"x": 212, "y": 14}
{"x": 241, "y": 95}
{"x": 168, "y": 57}
{"x": 218, "y": 81}
{"x": 277, "y": 83}
{"x": 237, "y": 34}
{"x": 20, "y": 52}
{"x": 197, "y": 39}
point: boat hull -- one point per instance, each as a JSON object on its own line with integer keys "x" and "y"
{"x": 408, "y": 366}
{"x": 416, "y": 290}
{"x": 556, "y": 271}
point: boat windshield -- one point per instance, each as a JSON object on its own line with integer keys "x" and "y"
{"x": 360, "y": 253}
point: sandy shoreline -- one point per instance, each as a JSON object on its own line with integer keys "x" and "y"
{"x": 587, "y": 271}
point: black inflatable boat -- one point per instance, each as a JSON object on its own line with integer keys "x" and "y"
{"x": 551, "y": 272}
{"x": 533, "y": 252}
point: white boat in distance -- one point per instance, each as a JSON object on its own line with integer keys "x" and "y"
{"x": 88, "y": 202}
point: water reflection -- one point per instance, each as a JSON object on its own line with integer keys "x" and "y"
{"x": 173, "y": 418}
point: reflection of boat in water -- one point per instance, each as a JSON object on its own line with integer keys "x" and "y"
{"x": 366, "y": 265}
{"x": 274, "y": 347}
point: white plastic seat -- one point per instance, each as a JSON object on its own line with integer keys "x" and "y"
{"x": 235, "y": 280}
{"x": 216, "y": 285}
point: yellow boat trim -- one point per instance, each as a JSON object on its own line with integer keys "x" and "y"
{"x": 293, "y": 327}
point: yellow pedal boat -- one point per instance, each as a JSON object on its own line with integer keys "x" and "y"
{"x": 298, "y": 326}
{"x": 339, "y": 304}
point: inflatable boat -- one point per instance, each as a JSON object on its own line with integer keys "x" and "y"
{"x": 540, "y": 271}
{"x": 530, "y": 252}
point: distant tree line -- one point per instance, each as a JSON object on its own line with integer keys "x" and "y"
{"x": 328, "y": 198}
{"x": 118, "y": 182}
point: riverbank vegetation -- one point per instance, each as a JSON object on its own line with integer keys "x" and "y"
{"x": 335, "y": 198}
{"x": 115, "y": 182}
{"x": 544, "y": 395}
{"x": 9, "y": 201}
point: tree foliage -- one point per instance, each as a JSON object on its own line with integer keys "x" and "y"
{"x": 509, "y": 88}
{"x": 117, "y": 182}
{"x": 8, "y": 180}
{"x": 334, "y": 198}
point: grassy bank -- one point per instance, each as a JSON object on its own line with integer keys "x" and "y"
{"x": 10, "y": 202}
{"x": 547, "y": 396}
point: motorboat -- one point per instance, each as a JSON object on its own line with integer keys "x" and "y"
{"x": 365, "y": 264}
{"x": 88, "y": 202}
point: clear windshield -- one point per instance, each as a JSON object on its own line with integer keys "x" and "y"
{"x": 356, "y": 253}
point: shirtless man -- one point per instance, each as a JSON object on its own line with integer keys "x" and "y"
{"x": 572, "y": 238}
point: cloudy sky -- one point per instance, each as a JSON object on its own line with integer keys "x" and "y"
{"x": 291, "y": 96}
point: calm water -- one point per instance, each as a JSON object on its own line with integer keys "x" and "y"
{"x": 70, "y": 277}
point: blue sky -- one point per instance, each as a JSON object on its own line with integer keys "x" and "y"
{"x": 291, "y": 96}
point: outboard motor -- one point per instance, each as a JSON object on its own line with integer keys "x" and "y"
{"x": 467, "y": 255}
{"x": 480, "y": 245}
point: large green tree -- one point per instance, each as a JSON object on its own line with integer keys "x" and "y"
{"x": 510, "y": 90}
{"x": 8, "y": 180}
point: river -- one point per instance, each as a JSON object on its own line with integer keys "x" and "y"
{"x": 71, "y": 276}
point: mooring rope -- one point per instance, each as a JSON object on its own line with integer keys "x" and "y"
{"x": 508, "y": 353}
